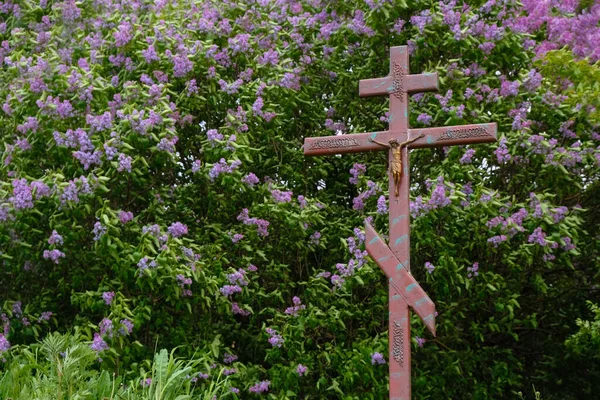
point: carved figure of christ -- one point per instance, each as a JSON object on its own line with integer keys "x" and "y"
{"x": 394, "y": 258}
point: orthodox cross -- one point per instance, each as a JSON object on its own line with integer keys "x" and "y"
{"x": 394, "y": 258}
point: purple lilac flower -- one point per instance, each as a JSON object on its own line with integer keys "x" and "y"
{"x": 125, "y": 216}
{"x": 53, "y": 255}
{"x": 229, "y": 358}
{"x": 126, "y": 328}
{"x": 281, "y": 196}
{"x": 177, "y": 229}
{"x": 568, "y": 243}
{"x": 467, "y": 158}
{"x": 213, "y": 135}
{"x": 40, "y": 189}
{"x": 234, "y": 390}
{"x": 422, "y": 20}
{"x": 167, "y": 144}
{"x": 229, "y": 371}
{"x": 302, "y": 201}
{"x": 45, "y": 316}
{"x": 98, "y": 344}
{"x": 420, "y": 341}
{"x": 250, "y": 179}
{"x": 22, "y": 197}
{"x": 538, "y": 237}
{"x": 99, "y": 230}
{"x": 269, "y": 57}
{"x": 296, "y": 308}
{"x": 473, "y": 271}
{"x": 55, "y": 238}
{"x": 301, "y": 370}
{"x": 124, "y": 163}
{"x": 429, "y": 267}
{"x": 315, "y": 237}
{"x": 356, "y": 171}
{"x": 496, "y": 240}
{"x": 377, "y": 358}
{"x": 223, "y": 168}
{"x": 108, "y": 297}
{"x": 143, "y": 264}
{"x": 181, "y": 65}
{"x": 106, "y": 327}
{"x": 275, "y": 339}
{"x": 229, "y": 290}
{"x": 238, "y": 278}
{"x": 382, "y": 205}
{"x": 501, "y": 152}
{"x": 235, "y": 308}
{"x": 4, "y": 344}
{"x": 425, "y": 119}
{"x": 146, "y": 382}
{"x": 16, "y": 308}
{"x": 260, "y": 387}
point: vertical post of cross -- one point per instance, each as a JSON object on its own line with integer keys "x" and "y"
{"x": 397, "y": 85}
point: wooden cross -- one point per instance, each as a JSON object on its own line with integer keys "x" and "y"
{"x": 394, "y": 258}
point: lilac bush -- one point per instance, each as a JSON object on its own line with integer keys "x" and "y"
{"x": 153, "y": 189}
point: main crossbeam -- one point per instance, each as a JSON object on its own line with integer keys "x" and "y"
{"x": 433, "y": 137}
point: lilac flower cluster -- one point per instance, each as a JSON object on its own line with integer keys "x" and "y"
{"x": 260, "y": 387}
{"x": 538, "y": 237}
{"x": 177, "y": 229}
{"x": 467, "y": 158}
{"x": 359, "y": 258}
{"x": 473, "y": 270}
{"x": 357, "y": 171}
{"x": 55, "y": 255}
{"x": 358, "y": 203}
{"x": 125, "y": 216}
{"x": 250, "y": 179}
{"x": 315, "y": 238}
{"x": 301, "y": 370}
{"x": 99, "y": 230}
{"x": 420, "y": 341}
{"x": 281, "y": 196}
{"x": 429, "y": 267}
{"x": 75, "y": 188}
{"x": 235, "y": 308}
{"x": 296, "y": 308}
{"x": 22, "y": 197}
{"x": 377, "y": 358}
{"x": 382, "y": 205}
{"x": 144, "y": 264}
{"x": 182, "y": 282}
{"x": 108, "y": 297}
{"x": 223, "y": 168}
{"x": 275, "y": 338}
{"x": 229, "y": 290}
{"x": 98, "y": 344}
{"x": 229, "y": 358}
{"x": 55, "y": 238}
{"x": 438, "y": 198}
{"x": 261, "y": 224}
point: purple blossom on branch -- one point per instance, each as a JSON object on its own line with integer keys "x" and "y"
{"x": 108, "y": 297}
{"x": 53, "y": 255}
{"x": 260, "y": 387}
{"x": 275, "y": 339}
{"x": 55, "y": 238}
{"x": 377, "y": 358}
{"x": 177, "y": 229}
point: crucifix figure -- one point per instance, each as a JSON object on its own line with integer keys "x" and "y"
{"x": 396, "y": 161}
{"x": 394, "y": 257}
